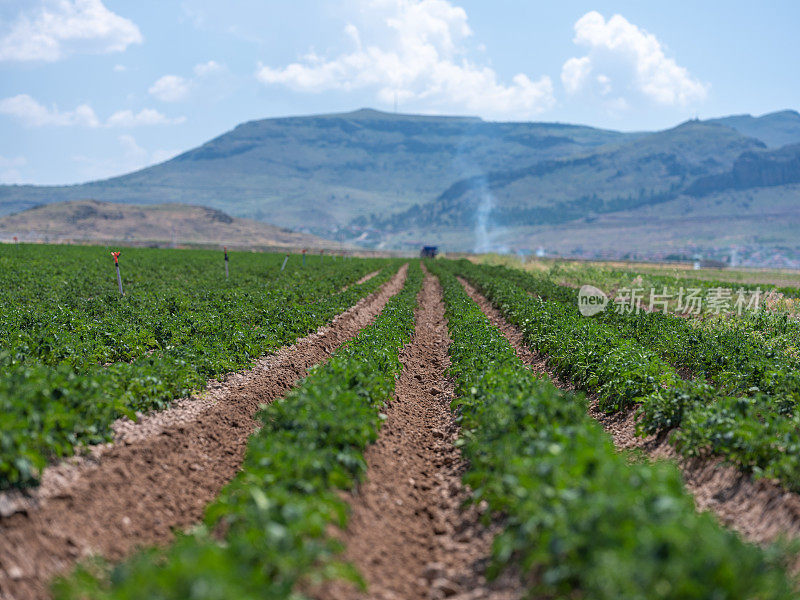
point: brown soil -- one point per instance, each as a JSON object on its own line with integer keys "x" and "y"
{"x": 93, "y": 220}
{"x": 408, "y": 534}
{"x": 760, "y": 510}
{"x": 162, "y": 471}
{"x": 367, "y": 277}
{"x": 364, "y": 279}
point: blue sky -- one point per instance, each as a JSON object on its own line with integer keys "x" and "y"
{"x": 95, "y": 88}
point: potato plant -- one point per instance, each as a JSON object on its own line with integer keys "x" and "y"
{"x": 75, "y": 355}
{"x": 580, "y": 519}
{"x": 267, "y": 532}
{"x": 741, "y": 403}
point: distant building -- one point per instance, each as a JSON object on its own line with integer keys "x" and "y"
{"x": 709, "y": 264}
{"x": 429, "y": 252}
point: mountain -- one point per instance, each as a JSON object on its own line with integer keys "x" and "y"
{"x": 387, "y": 180}
{"x": 752, "y": 170}
{"x": 757, "y": 226}
{"x": 90, "y": 220}
{"x": 774, "y": 129}
{"x": 320, "y": 172}
{"x": 647, "y": 170}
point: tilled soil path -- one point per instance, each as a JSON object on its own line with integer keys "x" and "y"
{"x": 408, "y": 534}
{"x": 364, "y": 279}
{"x": 161, "y": 472}
{"x": 760, "y": 510}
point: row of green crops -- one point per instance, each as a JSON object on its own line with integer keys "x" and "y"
{"x": 266, "y": 533}
{"x": 620, "y": 358}
{"x": 61, "y": 305}
{"x": 731, "y": 352}
{"x": 581, "y": 519}
{"x": 584, "y": 350}
{"x": 613, "y": 278}
{"x": 74, "y": 356}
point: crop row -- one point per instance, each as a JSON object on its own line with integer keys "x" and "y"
{"x": 620, "y": 358}
{"x": 266, "y": 535}
{"x": 733, "y": 355}
{"x": 53, "y": 398}
{"x": 618, "y": 278}
{"x": 62, "y": 306}
{"x": 586, "y": 351}
{"x": 580, "y": 519}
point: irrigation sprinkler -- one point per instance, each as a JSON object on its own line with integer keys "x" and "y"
{"x": 285, "y": 260}
{"x": 225, "y": 248}
{"x": 119, "y": 277}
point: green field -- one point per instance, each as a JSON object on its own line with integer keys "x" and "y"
{"x": 76, "y": 356}
{"x": 574, "y": 516}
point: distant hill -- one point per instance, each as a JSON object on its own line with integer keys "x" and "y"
{"x": 385, "y": 180}
{"x": 647, "y": 170}
{"x": 90, "y": 220}
{"x": 758, "y": 227}
{"x": 774, "y": 129}
{"x": 769, "y": 168}
{"x": 321, "y": 172}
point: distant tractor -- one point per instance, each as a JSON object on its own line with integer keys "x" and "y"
{"x": 428, "y": 252}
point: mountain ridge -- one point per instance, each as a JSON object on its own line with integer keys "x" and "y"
{"x": 95, "y": 221}
{"x": 775, "y": 129}
{"x": 320, "y": 172}
{"x": 375, "y": 178}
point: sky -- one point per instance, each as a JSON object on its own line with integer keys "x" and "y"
{"x": 95, "y": 88}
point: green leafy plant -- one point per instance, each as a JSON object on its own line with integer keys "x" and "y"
{"x": 266, "y": 534}
{"x": 75, "y": 356}
{"x": 580, "y": 519}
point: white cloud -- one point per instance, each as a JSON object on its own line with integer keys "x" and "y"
{"x": 605, "y": 84}
{"x": 414, "y": 50}
{"x": 207, "y": 68}
{"x": 616, "y": 106}
{"x": 58, "y": 28}
{"x": 10, "y": 169}
{"x": 574, "y": 73}
{"x": 627, "y": 57}
{"x": 352, "y": 31}
{"x": 136, "y": 157}
{"x": 31, "y": 112}
{"x": 195, "y": 14}
{"x": 174, "y": 88}
{"x": 170, "y": 88}
{"x": 120, "y": 68}
{"x": 146, "y": 116}
{"x": 132, "y": 150}
{"x": 131, "y": 157}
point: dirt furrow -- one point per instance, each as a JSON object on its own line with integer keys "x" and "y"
{"x": 534, "y": 360}
{"x": 367, "y": 277}
{"x": 161, "y": 472}
{"x": 408, "y": 534}
{"x": 364, "y": 279}
{"x": 760, "y": 510}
